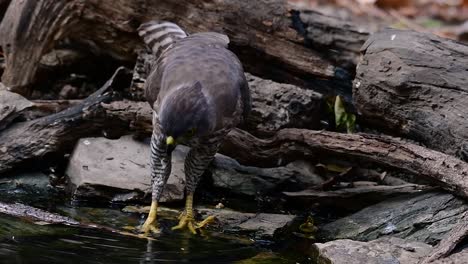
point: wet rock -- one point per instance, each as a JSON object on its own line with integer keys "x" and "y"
{"x": 261, "y": 225}
{"x": 228, "y": 174}
{"x": 119, "y": 170}
{"x": 27, "y": 187}
{"x": 425, "y": 218}
{"x": 34, "y": 180}
{"x": 385, "y": 250}
{"x": 350, "y": 198}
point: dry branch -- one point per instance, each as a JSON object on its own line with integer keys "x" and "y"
{"x": 270, "y": 39}
{"x": 29, "y": 140}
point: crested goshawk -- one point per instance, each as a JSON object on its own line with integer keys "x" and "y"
{"x": 198, "y": 92}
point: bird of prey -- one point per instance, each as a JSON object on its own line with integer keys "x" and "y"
{"x": 198, "y": 92}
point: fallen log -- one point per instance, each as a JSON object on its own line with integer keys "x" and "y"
{"x": 3, "y": 7}
{"x": 35, "y": 214}
{"x": 271, "y": 39}
{"x": 42, "y": 217}
{"x": 33, "y": 139}
{"x": 12, "y": 105}
{"x": 292, "y": 144}
{"x": 414, "y": 85}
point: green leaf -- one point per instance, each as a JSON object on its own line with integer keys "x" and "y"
{"x": 340, "y": 112}
{"x": 351, "y": 123}
{"x": 342, "y": 118}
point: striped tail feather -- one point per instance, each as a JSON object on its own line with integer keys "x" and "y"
{"x": 160, "y": 35}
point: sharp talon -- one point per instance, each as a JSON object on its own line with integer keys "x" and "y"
{"x": 179, "y": 226}
{"x": 189, "y": 222}
{"x": 210, "y": 219}
{"x": 191, "y": 228}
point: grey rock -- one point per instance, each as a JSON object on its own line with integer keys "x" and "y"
{"x": 261, "y": 225}
{"x": 352, "y": 198}
{"x": 227, "y": 173}
{"x": 119, "y": 170}
{"x": 35, "y": 180}
{"x": 382, "y": 251}
{"x": 27, "y": 187}
{"x": 425, "y": 218}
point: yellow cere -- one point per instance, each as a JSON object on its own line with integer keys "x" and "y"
{"x": 170, "y": 140}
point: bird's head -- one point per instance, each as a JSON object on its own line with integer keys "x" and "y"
{"x": 184, "y": 114}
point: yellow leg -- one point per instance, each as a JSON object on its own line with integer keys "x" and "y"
{"x": 151, "y": 223}
{"x": 187, "y": 220}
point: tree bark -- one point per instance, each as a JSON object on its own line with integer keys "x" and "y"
{"x": 264, "y": 37}
{"x": 450, "y": 241}
{"x": 414, "y": 85}
{"x": 25, "y": 211}
{"x": 33, "y": 139}
{"x": 11, "y": 106}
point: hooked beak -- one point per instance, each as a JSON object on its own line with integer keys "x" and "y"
{"x": 170, "y": 143}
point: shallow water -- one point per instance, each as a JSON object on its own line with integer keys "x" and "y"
{"x": 22, "y": 241}
{"x": 26, "y": 243}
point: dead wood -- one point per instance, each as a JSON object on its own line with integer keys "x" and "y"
{"x": 3, "y": 7}
{"x": 414, "y": 85}
{"x": 36, "y": 215}
{"x": 29, "y": 140}
{"x": 270, "y": 39}
{"x": 338, "y": 39}
{"x": 12, "y": 105}
{"x": 43, "y": 108}
{"x": 291, "y": 144}
{"x": 451, "y": 240}
{"x": 25, "y": 211}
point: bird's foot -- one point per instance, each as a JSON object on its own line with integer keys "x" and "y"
{"x": 186, "y": 220}
{"x": 150, "y": 225}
